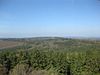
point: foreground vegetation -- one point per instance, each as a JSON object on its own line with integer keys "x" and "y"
{"x": 52, "y": 57}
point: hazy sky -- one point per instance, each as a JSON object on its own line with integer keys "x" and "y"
{"x": 36, "y": 18}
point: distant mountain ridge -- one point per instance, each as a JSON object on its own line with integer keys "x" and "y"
{"x": 46, "y": 38}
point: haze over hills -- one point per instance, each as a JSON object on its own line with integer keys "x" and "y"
{"x": 48, "y": 42}
{"x": 41, "y": 38}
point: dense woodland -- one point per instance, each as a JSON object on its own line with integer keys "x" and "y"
{"x": 51, "y": 56}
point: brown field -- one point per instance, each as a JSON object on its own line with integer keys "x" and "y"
{"x": 9, "y": 44}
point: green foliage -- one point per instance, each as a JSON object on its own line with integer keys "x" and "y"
{"x": 75, "y": 59}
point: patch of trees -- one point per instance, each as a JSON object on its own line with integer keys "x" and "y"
{"x": 51, "y": 61}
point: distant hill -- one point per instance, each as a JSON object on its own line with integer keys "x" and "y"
{"x": 52, "y": 43}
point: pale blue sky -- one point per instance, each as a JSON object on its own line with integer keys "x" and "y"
{"x": 36, "y": 18}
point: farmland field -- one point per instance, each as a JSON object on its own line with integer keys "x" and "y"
{"x": 9, "y": 44}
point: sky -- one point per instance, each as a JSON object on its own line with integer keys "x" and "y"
{"x": 43, "y": 18}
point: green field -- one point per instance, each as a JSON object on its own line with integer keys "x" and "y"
{"x": 50, "y": 56}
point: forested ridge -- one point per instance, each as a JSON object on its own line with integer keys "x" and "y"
{"x": 56, "y": 56}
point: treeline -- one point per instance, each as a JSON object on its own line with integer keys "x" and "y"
{"x": 50, "y": 62}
